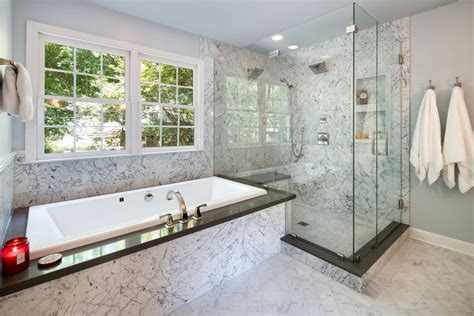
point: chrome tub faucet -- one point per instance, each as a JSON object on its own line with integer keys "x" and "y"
{"x": 182, "y": 204}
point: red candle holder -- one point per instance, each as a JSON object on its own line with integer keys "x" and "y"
{"x": 15, "y": 255}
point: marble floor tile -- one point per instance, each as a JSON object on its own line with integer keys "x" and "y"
{"x": 420, "y": 279}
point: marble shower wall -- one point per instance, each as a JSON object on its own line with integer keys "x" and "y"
{"x": 159, "y": 279}
{"x": 46, "y": 182}
{"x": 6, "y": 195}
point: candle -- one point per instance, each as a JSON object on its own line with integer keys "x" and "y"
{"x": 15, "y": 255}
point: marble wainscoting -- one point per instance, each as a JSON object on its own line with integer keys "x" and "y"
{"x": 340, "y": 275}
{"x": 162, "y": 278}
{"x": 6, "y": 193}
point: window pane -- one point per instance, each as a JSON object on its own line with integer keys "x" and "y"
{"x": 277, "y": 134}
{"x": 87, "y": 61}
{"x": 58, "y": 113}
{"x": 249, "y": 135}
{"x": 185, "y": 77}
{"x": 88, "y": 139}
{"x": 185, "y": 96}
{"x": 186, "y": 136}
{"x": 58, "y": 83}
{"x": 170, "y": 136}
{"x": 278, "y": 120}
{"x": 170, "y": 116}
{"x": 231, "y": 84}
{"x": 186, "y": 117}
{"x": 151, "y": 115}
{"x": 151, "y": 137}
{"x": 168, "y": 94}
{"x": 58, "y": 57}
{"x": 250, "y": 103}
{"x": 114, "y": 138}
{"x": 87, "y": 86}
{"x": 113, "y": 89}
{"x": 58, "y": 140}
{"x": 236, "y": 119}
{"x": 149, "y": 92}
{"x": 114, "y": 66}
{"x": 114, "y": 114}
{"x": 277, "y": 105}
{"x": 168, "y": 74}
{"x": 232, "y": 100}
{"x": 88, "y": 114}
{"x": 149, "y": 71}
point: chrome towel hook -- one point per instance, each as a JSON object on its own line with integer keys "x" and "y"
{"x": 458, "y": 84}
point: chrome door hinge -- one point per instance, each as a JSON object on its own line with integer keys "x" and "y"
{"x": 351, "y": 29}
{"x": 401, "y": 204}
{"x": 401, "y": 60}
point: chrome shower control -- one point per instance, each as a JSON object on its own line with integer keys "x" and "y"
{"x": 169, "y": 220}
{"x": 197, "y": 216}
{"x": 148, "y": 197}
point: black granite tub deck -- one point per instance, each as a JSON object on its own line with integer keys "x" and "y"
{"x": 81, "y": 258}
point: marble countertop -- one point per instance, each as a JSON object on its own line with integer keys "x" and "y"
{"x": 94, "y": 254}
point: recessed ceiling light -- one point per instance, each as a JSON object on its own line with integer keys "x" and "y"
{"x": 277, "y": 37}
{"x": 293, "y": 47}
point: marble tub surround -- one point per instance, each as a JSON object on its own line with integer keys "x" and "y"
{"x": 97, "y": 253}
{"x": 413, "y": 282}
{"x": 6, "y": 193}
{"x": 159, "y": 279}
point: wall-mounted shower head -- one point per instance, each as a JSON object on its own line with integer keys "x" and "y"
{"x": 318, "y": 68}
{"x": 283, "y": 80}
{"x": 254, "y": 73}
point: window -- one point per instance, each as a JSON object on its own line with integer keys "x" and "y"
{"x": 167, "y": 101}
{"x": 257, "y": 112}
{"x": 242, "y": 111}
{"x": 277, "y": 114}
{"x": 99, "y": 97}
{"x": 84, "y": 100}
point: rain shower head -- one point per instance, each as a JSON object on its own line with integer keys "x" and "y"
{"x": 318, "y": 68}
{"x": 254, "y": 73}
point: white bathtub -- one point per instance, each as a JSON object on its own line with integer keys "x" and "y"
{"x": 65, "y": 225}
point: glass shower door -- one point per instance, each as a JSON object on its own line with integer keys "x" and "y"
{"x": 388, "y": 147}
{"x": 366, "y": 115}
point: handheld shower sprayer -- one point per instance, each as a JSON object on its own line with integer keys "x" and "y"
{"x": 298, "y": 153}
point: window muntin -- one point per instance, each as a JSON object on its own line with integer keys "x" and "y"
{"x": 167, "y": 104}
{"x": 84, "y": 100}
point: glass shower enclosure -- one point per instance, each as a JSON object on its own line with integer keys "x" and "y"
{"x": 318, "y": 113}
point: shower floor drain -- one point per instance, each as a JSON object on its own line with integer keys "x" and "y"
{"x": 303, "y": 224}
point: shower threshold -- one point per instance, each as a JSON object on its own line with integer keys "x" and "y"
{"x": 354, "y": 271}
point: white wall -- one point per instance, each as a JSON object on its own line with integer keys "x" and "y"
{"x": 94, "y": 20}
{"x": 5, "y": 52}
{"x": 442, "y": 48}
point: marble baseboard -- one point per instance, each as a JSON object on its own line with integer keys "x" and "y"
{"x": 338, "y": 274}
{"x": 162, "y": 278}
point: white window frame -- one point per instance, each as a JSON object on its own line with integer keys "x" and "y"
{"x": 37, "y": 32}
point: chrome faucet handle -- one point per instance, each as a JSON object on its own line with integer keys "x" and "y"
{"x": 197, "y": 216}
{"x": 169, "y": 220}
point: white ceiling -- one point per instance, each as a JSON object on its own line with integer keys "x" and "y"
{"x": 243, "y": 22}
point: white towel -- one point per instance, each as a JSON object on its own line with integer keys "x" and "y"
{"x": 9, "y": 95}
{"x": 425, "y": 153}
{"x": 458, "y": 144}
{"x": 25, "y": 93}
{"x": 17, "y": 92}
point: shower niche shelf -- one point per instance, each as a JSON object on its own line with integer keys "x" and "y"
{"x": 371, "y": 114}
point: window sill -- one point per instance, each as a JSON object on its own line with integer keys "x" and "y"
{"x": 150, "y": 153}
